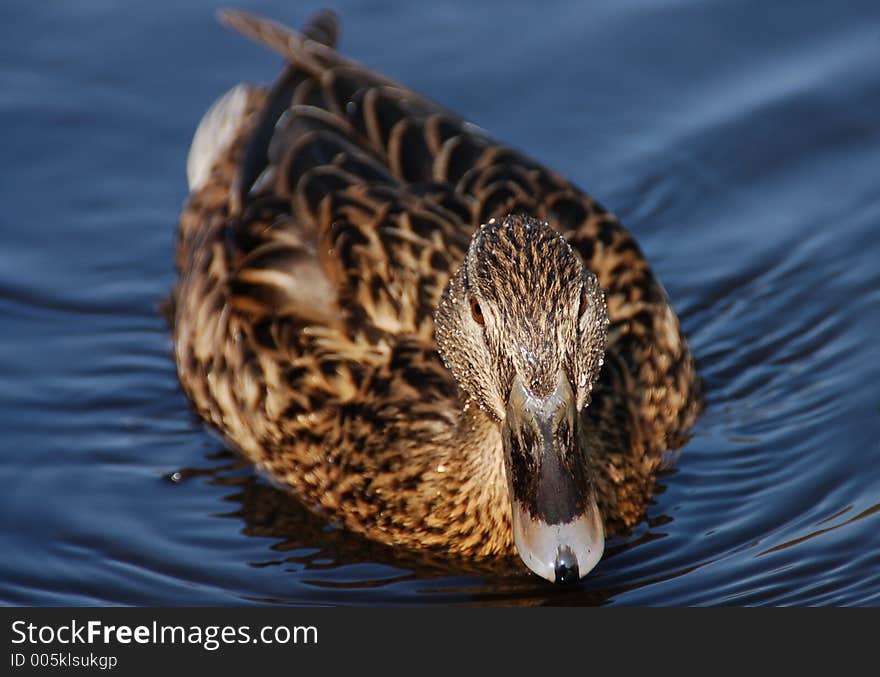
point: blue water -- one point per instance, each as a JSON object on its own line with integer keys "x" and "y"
{"x": 739, "y": 141}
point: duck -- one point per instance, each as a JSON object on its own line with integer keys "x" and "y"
{"x": 420, "y": 333}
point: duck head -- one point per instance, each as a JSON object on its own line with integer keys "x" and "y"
{"x": 522, "y": 326}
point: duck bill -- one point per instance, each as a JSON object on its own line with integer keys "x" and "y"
{"x": 557, "y": 527}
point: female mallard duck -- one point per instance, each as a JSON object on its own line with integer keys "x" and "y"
{"x": 404, "y": 322}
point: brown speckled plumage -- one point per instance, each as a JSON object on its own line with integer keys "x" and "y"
{"x": 311, "y": 262}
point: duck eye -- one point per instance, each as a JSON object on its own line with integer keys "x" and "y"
{"x": 477, "y": 313}
{"x": 583, "y": 306}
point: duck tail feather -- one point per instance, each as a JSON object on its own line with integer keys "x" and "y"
{"x": 323, "y": 27}
{"x": 318, "y": 39}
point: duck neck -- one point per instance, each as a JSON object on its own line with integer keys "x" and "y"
{"x": 482, "y": 498}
